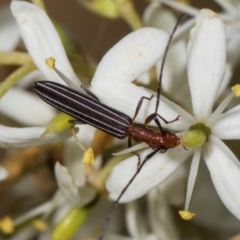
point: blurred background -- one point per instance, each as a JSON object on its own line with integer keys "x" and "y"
{"x": 94, "y": 35}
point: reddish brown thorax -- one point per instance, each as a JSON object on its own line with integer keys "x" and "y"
{"x": 154, "y": 139}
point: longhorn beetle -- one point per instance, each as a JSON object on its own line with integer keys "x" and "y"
{"x": 88, "y": 109}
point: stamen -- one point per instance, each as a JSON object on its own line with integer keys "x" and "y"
{"x": 50, "y": 62}
{"x": 6, "y": 225}
{"x": 77, "y": 140}
{"x": 186, "y": 215}
{"x": 236, "y": 90}
{"x": 40, "y": 225}
{"x": 88, "y": 157}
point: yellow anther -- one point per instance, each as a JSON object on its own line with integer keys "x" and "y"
{"x": 236, "y": 90}
{"x": 6, "y": 225}
{"x": 40, "y": 225}
{"x": 88, "y": 157}
{"x": 186, "y": 215}
{"x": 50, "y": 62}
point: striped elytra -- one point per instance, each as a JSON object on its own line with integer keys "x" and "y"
{"x": 84, "y": 108}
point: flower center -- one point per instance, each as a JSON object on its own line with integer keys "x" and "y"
{"x": 197, "y": 135}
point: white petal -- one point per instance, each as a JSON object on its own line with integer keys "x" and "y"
{"x": 226, "y": 80}
{"x": 206, "y": 61}
{"x": 67, "y": 185}
{"x": 30, "y": 78}
{"x": 160, "y": 216}
{"x": 154, "y": 172}
{"x": 192, "y": 176}
{"x": 227, "y": 126}
{"x": 144, "y": 79}
{"x": 25, "y": 137}
{"x": 135, "y": 221}
{"x": 132, "y": 56}
{"x": 225, "y": 173}
{"x": 26, "y": 108}
{"x": 42, "y": 40}
{"x": 159, "y": 17}
{"x": 9, "y": 33}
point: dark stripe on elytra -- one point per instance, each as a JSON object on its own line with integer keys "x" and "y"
{"x": 84, "y": 108}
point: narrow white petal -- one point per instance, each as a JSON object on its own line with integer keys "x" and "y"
{"x": 192, "y": 176}
{"x": 206, "y": 61}
{"x": 160, "y": 216}
{"x": 9, "y": 33}
{"x": 39, "y": 210}
{"x": 135, "y": 221}
{"x": 157, "y": 16}
{"x": 227, "y": 125}
{"x": 42, "y": 40}
{"x": 219, "y": 110}
{"x": 225, "y": 173}
{"x": 226, "y": 79}
{"x": 132, "y": 149}
{"x": 25, "y": 137}
{"x": 155, "y": 171}
{"x": 67, "y": 185}
{"x": 26, "y": 108}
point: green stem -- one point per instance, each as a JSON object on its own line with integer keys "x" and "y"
{"x": 14, "y": 58}
{"x": 14, "y": 77}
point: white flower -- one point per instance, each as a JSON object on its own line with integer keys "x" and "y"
{"x": 130, "y": 58}
{"x": 231, "y": 18}
{"x": 206, "y": 61}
